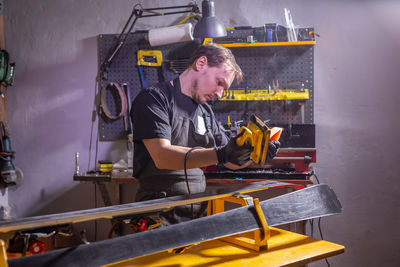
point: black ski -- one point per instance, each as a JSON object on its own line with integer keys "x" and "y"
{"x": 308, "y": 203}
{"x": 134, "y": 208}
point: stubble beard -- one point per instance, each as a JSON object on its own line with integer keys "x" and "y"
{"x": 195, "y": 87}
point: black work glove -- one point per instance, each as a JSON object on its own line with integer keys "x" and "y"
{"x": 273, "y": 147}
{"x": 233, "y": 153}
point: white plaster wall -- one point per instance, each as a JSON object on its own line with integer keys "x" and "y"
{"x": 357, "y": 96}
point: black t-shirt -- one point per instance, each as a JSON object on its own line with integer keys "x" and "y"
{"x": 154, "y": 111}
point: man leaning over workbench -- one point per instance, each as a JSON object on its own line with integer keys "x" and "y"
{"x": 171, "y": 118}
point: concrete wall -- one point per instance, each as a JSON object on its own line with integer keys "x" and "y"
{"x": 357, "y": 81}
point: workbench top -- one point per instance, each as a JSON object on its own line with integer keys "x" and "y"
{"x": 284, "y": 249}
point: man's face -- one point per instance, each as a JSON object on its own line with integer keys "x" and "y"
{"x": 211, "y": 83}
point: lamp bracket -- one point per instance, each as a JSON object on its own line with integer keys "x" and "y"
{"x": 139, "y": 12}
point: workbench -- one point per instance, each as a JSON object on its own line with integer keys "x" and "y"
{"x": 125, "y": 177}
{"x": 299, "y": 159}
{"x": 284, "y": 249}
{"x": 238, "y": 237}
{"x": 117, "y": 180}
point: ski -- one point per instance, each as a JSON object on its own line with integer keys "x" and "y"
{"x": 134, "y": 208}
{"x": 311, "y": 202}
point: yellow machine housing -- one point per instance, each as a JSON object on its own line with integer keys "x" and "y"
{"x": 258, "y": 134}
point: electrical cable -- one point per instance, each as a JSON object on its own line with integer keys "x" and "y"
{"x": 97, "y": 139}
{"x": 322, "y": 237}
{"x": 184, "y": 167}
{"x": 319, "y": 219}
{"x": 319, "y": 227}
{"x": 97, "y": 149}
{"x": 95, "y": 185}
{"x": 186, "y": 18}
{"x": 94, "y": 116}
{"x": 94, "y": 119}
{"x": 316, "y": 177}
{"x": 186, "y": 178}
{"x": 312, "y": 227}
{"x": 95, "y": 205}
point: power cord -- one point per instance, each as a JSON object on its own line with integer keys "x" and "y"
{"x": 95, "y": 205}
{"x": 186, "y": 178}
{"x": 95, "y": 114}
{"x": 184, "y": 167}
{"x": 319, "y": 220}
{"x": 322, "y": 237}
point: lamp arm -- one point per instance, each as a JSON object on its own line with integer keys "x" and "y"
{"x": 167, "y": 13}
{"x": 138, "y": 13}
{"x": 119, "y": 44}
{"x": 121, "y": 41}
{"x": 191, "y": 8}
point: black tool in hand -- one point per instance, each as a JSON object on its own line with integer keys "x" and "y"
{"x": 234, "y": 153}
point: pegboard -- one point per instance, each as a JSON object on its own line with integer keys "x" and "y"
{"x": 261, "y": 66}
{"x": 124, "y": 69}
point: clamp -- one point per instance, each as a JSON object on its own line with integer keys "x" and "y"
{"x": 259, "y": 240}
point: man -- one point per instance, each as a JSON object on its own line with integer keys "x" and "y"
{"x": 172, "y": 118}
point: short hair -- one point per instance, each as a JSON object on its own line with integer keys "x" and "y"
{"x": 217, "y": 55}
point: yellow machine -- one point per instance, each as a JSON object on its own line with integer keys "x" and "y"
{"x": 259, "y": 135}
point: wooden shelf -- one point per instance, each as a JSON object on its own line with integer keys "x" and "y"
{"x": 263, "y": 94}
{"x": 268, "y": 44}
{"x": 255, "y": 44}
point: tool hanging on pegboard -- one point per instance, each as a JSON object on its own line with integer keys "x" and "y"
{"x": 113, "y": 89}
{"x": 7, "y": 69}
{"x": 264, "y": 64}
{"x": 9, "y": 174}
{"x": 150, "y": 58}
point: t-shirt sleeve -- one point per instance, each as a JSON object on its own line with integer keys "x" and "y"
{"x": 149, "y": 115}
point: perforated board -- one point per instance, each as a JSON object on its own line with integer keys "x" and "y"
{"x": 261, "y": 66}
{"x": 124, "y": 69}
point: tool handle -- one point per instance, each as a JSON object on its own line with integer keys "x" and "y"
{"x": 143, "y": 56}
{"x": 142, "y": 76}
{"x": 245, "y": 134}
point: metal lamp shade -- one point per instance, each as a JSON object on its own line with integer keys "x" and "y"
{"x": 209, "y": 25}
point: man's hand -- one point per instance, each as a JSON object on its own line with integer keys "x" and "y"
{"x": 273, "y": 147}
{"x": 234, "y": 153}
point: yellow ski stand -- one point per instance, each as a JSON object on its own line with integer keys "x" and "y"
{"x": 259, "y": 240}
{"x": 3, "y": 254}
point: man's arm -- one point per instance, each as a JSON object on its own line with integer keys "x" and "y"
{"x": 171, "y": 157}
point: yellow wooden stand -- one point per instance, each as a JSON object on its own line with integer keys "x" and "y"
{"x": 249, "y": 249}
{"x": 3, "y": 254}
{"x": 284, "y": 249}
{"x": 260, "y": 238}
{"x": 264, "y": 247}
